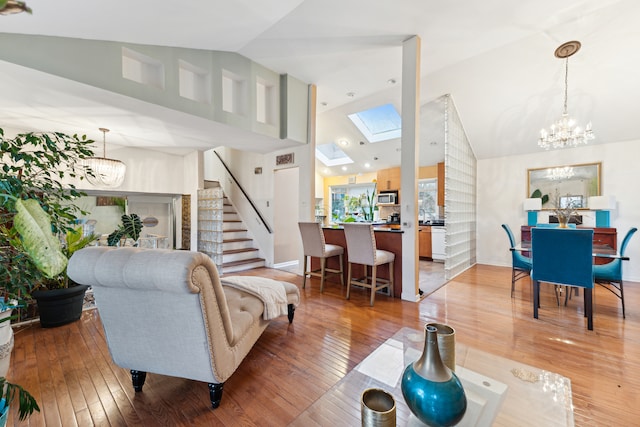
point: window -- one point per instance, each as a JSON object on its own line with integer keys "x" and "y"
{"x": 427, "y": 196}
{"x": 378, "y": 124}
{"x": 352, "y": 202}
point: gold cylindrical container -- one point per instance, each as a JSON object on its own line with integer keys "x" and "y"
{"x": 378, "y": 408}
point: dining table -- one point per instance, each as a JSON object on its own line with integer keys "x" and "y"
{"x": 598, "y": 251}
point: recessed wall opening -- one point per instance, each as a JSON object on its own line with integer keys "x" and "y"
{"x": 234, "y": 93}
{"x": 266, "y": 105}
{"x": 194, "y": 82}
{"x": 142, "y": 68}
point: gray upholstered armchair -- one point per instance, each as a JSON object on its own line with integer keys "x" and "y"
{"x": 166, "y": 312}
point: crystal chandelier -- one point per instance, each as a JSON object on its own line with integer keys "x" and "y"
{"x": 103, "y": 172}
{"x": 564, "y": 132}
{"x": 557, "y": 174}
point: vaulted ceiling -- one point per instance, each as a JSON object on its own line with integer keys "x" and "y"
{"x": 495, "y": 58}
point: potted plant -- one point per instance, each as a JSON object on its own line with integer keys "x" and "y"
{"x": 130, "y": 228}
{"x": 36, "y": 207}
{"x": 59, "y": 299}
{"x": 8, "y": 392}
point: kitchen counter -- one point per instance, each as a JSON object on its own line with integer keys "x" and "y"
{"x": 387, "y": 239}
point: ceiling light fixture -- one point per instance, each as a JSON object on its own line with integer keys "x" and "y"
{"x": 564, "y": 132}
{"x": 14, "y": 6}
{"x": 104, "y": 172}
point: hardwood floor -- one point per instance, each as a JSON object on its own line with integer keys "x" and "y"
{"x": 70, "y": 372}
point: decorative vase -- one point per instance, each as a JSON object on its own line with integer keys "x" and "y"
{"x": 433, "y": 393}
{"x": 563, "y": 221}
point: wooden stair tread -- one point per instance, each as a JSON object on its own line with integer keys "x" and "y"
{"x": 244, "y": 261}
{"x": 242, "y": 239}
{"x": 234, "y": 230}
{"x": 238, "y": 251}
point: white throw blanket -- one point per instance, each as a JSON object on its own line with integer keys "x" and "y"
{"x": 271, "y": 292}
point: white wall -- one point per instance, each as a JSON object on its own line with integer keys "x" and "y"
{"x": 502, "y": 187}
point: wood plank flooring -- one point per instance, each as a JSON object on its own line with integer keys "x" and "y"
{"x": 70, "y": 372}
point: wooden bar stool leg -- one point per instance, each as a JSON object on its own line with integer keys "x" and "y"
{"x": 348, "y": 280}
{"x": 391, "y": 281}
{"x": 341, "y": 271}
{"x": 374, "y": 270}
{"x": 304, "y": 272}
{"x": 323, "y": 262}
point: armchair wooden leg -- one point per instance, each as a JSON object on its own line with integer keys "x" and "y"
{"x": 138, "y": 378}
{"x": 290, "y": 312}
{"x": 215, "y": 394}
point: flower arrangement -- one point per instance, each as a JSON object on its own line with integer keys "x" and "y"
{"x": 563, "y": 212}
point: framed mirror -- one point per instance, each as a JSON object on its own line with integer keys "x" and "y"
{"x": 575, "y": 183}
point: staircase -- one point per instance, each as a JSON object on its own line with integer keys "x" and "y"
{"x": 238, "y": 252}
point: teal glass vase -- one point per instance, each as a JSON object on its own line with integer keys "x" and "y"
{"x": 433, "y": 393}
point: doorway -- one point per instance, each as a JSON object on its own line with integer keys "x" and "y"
{"x": 287, "y": 246}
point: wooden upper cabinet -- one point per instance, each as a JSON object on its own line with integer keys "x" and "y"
{"x": 441, "y": 184}
{"x": 388, "y": 179}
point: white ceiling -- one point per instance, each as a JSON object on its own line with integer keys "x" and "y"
{"x": 494, "y": 57}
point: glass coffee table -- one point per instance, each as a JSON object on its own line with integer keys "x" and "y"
{"x": 500, "y": 392}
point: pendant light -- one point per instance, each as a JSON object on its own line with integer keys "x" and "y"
{"x": 104, "y": 172}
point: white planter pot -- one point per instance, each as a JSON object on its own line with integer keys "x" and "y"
{"x": 6, "y": 343}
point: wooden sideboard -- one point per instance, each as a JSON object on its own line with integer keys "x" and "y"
{"x": 601, "y": 237}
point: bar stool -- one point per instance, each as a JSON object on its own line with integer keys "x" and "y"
{"x": 313, "y": 245}
{"x": 361, "y": 249}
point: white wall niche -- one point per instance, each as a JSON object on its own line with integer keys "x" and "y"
{"x": 234, "y": 93}
{"x": 266, "y": 102}
{"x": 194, "y": 82}
{"x": 142, "y": 68}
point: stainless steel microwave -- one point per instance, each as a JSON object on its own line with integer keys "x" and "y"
{"x": 387, "y": 199}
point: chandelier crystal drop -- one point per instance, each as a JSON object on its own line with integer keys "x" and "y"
{"x": 104, "y": 172}
{"x": 564, "y": 132}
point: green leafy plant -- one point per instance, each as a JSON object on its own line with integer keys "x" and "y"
{"x": 26, "y": 402}
{"x": 36, "y": 205}
{"x": 537, "y": 194}
{"x": 74, "y": 241}
{"x": 131, "y": 227}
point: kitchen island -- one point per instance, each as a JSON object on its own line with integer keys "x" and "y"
{"x": 387, "y": 239}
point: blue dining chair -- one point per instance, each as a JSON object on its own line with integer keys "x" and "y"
{"x": 520, "y": 264}
{"x": 563, "y": 257}
{"x": 609, "y": 276}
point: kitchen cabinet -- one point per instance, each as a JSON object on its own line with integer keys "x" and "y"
{"x": 388, "y": 179}
{"x": 424, "y": 241}
{"x": 441, "y": 184}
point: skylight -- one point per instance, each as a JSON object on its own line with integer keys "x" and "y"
{"x": 378, "y": 124}
{"x": 331, "y": 155}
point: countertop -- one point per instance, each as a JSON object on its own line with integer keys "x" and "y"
{"x": 376, "y": 227}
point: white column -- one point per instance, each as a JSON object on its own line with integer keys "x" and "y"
{"x": 409, "y": 166}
